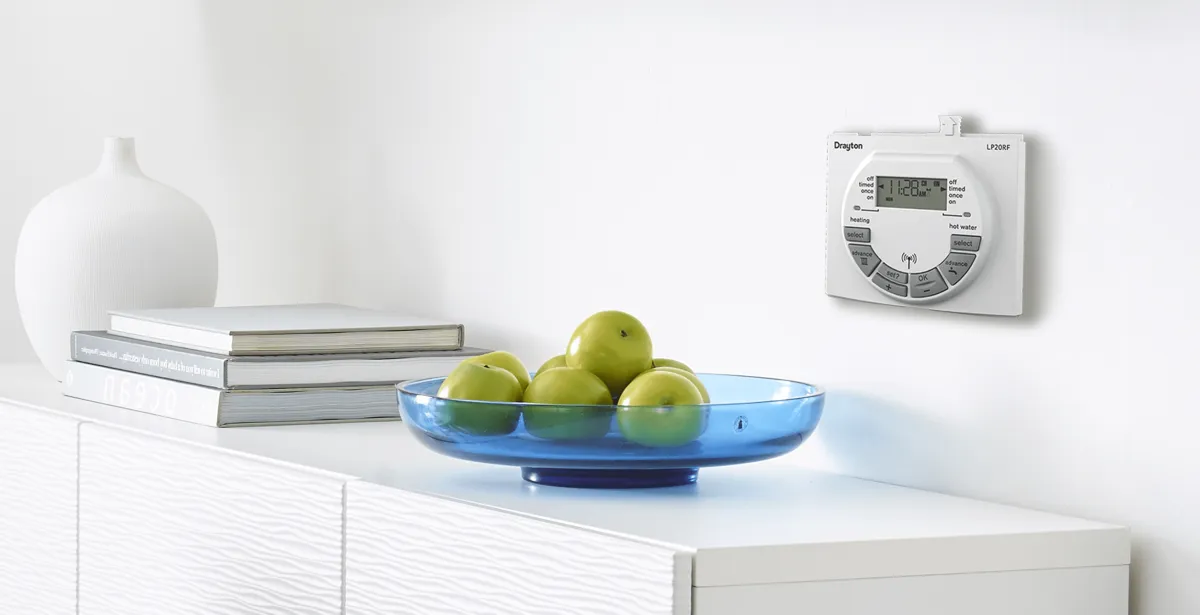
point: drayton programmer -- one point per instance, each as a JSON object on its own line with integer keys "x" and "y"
{"x": 930, "y": 220}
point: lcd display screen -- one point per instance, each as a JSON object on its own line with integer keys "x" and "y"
{"x": 911, "y": 193}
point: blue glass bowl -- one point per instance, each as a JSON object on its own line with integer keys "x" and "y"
{"x": 749, "y": 419}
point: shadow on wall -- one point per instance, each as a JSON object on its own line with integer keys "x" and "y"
{"x": 1041, "y": 197}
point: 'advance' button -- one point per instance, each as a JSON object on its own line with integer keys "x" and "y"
{"x": 965, "y": 242}
{"x": 955, "y": 266}
{"x": 857, "y": 234}
{"x": 865, "y": 258}
{"x": 927, "y": 284}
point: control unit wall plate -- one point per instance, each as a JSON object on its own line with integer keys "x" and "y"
{"x": 928, "y": 220}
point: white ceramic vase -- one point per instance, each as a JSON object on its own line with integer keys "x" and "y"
{"x": 114, "y": 239}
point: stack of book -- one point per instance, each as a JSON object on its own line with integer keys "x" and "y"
{"x": 260, "y": 365}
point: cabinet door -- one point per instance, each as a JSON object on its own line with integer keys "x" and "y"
{"x": 172, "y": 527}
{"x": 38, "y": 479}
{"x": 414, "y": 554}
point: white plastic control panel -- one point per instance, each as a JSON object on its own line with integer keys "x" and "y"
{"x": 932, "y": 220}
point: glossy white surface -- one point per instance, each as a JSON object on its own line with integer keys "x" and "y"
{"x": 756, "y": 523}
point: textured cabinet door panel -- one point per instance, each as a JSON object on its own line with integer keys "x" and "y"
{"x": 38, "y": 480}
{"x": 168, "y": 527}
{"x": 413, "y": 554}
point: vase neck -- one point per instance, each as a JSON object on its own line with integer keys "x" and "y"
{"x": 119, "y": 158}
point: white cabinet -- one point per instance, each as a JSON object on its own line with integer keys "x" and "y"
{"x": 1094, "y": 590}
{"x": 421, "y": 555}
{"x": 106, "y": 511}
{"x": 37, "y": 512}
{"x": 172, "y": 527}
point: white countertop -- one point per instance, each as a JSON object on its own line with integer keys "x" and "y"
{"x": 795, "y": 524}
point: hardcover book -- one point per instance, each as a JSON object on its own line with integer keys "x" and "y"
{"x": 236, "y": 372}
{"x": 306, "y": 328}
{"x": 228, "y": 408}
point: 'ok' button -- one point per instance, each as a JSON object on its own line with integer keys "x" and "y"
{"x": 927, "y": 284}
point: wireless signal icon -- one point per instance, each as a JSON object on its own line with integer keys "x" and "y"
{"x": 908, "y": 258}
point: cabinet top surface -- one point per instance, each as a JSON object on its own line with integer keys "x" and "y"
{"x": 768, "y": 504}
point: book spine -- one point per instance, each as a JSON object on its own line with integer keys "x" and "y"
{"x": 167, "y": 398}
{"x": 132, "y": 355}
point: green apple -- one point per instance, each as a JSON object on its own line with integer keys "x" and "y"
{"x": 471, "y": 381}
{"x": 672, "y": 363}
{"x": 661, "y": 408}
{"x": 506, "y": 360}
{"x": 572, "y": 396}
{"x": 690, "y": 376}
{"x": 559, "y": 360}
{"x": 613, "y": 345}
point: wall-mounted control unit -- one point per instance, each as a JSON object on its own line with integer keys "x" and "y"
{"x": 928, "y": 220}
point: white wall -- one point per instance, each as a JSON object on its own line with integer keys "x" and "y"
{"x": 667, "y": 158}
{"x": 222, "y": 97}
{"x": 520, "y": 165}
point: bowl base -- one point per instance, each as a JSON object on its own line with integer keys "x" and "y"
{"x": 610, "y": 479}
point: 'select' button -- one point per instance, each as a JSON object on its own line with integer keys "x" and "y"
{"x": 857, "y": 234}
{"x": 969, "y": 243}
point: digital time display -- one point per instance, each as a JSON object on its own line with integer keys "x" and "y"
{"x": 911, "y": 193}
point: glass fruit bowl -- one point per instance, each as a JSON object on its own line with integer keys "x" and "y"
{"x": 748, "y": 419}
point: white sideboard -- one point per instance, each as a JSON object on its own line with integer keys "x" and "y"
{"x": 202, "y": 530}
{"x": 113, "y": 511}
{"x": 38, "y": 481}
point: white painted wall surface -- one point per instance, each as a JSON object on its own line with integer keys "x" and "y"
{"x": 223, "y": 98}
{"x": 667, "y": 158}
{"x": 520, "y": 165}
